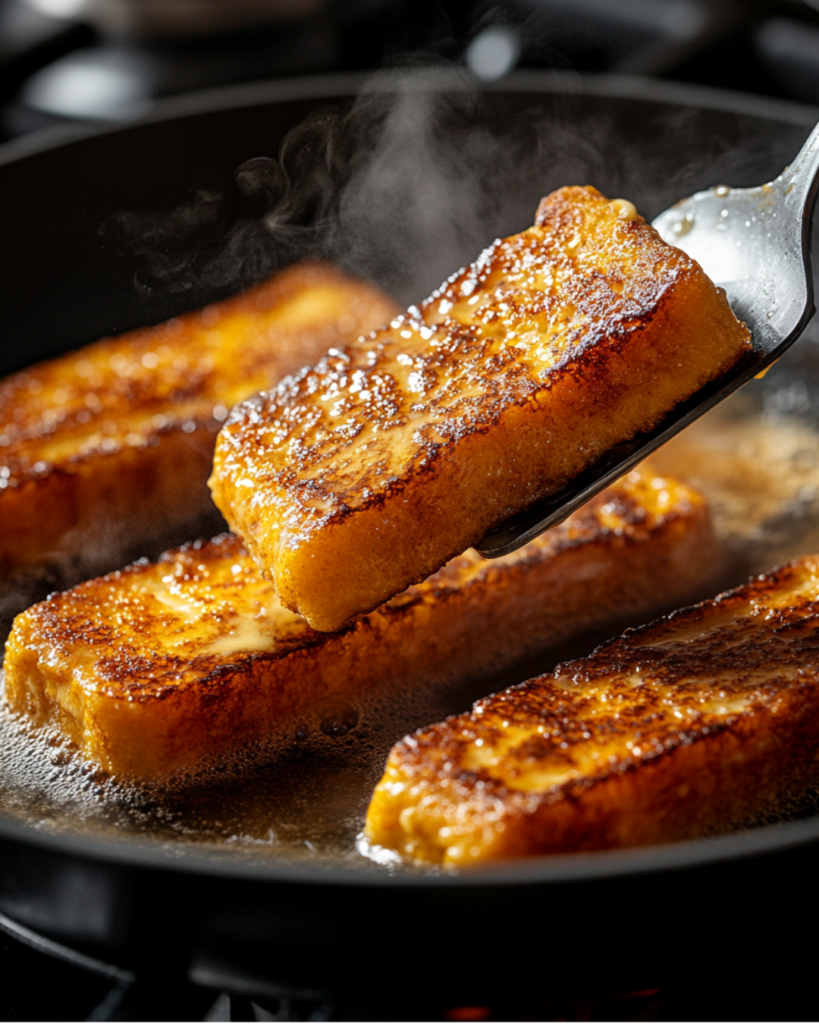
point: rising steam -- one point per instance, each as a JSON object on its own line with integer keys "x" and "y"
{"x": 402, "y": 187}
{"x": 412, "y": 180}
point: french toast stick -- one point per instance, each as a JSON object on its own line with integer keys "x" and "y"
{"x": 166, "y": 667}
{"x": 691, "y": 725}
{"x": 106, "y": 451}
{"x": 363, "y": 475}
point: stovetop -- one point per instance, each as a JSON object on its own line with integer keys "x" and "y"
{"x": 755, "y": 46}
{"x": 38, "y": 985}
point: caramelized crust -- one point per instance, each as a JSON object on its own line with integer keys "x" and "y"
{"x": 110, "y": 446}
{"x": 164, "y": 667}
{"x": 687, "y": 726}
{"x": 365, "y": 474}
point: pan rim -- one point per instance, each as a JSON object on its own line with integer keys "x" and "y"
{"x": 333, "y": 86}
{"x": 550, "y": 869}
{"x": 546, "y": 870}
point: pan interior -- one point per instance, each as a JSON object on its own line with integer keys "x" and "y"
{"x": 756, "y": 458}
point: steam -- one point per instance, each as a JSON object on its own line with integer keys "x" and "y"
{"x": 413, "y": 179}
{"x": 405, "y": 186}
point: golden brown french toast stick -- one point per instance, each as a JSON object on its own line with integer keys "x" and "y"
{"x": 169, "y": 666}
{"x": 361, "y": 476}
{"x": 109, "y": 448}
{"x": 688, "y": 726}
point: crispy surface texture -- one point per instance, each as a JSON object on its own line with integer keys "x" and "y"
{"x": 365, "y": 474}
{"x": 111, "y": 445}
{"x": 165, "y": 667}
{"x": 690, "y": 725}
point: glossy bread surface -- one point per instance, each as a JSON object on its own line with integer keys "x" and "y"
{"x": 166, "y": 666}
{"x": 690, "y": 725}
{"x": 365, "y": 474}
{"x": 113, "y": 443}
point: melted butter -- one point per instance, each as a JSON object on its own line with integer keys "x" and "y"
{"x": 804, "y": 589}
{"x": 626, "y": 210}
{"x": 246, "y": 635}
{"x": 733, "y": 706}
{"x": 599, "y": 731}
{"x": 184, "y": 607}
{"x": 218, "y": 608}
{"x": 682, "y": 635}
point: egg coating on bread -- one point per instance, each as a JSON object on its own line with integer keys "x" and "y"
{"x": 363, "y": 475}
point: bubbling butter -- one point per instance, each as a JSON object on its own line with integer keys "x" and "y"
{"x": 626, "y": 210}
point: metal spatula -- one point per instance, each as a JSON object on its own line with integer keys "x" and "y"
{"x": 754, "y": 243}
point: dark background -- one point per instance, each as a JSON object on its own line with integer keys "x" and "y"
{"x": 103, "y": 56}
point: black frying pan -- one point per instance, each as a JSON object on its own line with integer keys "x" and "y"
{"x": 531, "y": 930}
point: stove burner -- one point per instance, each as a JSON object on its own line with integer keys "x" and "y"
{"x": 46, "y": 981}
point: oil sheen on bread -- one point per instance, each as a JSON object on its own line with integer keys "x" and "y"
{"x": 694, "y": 724}
{"x": 105, "y": 452}
{"x": 365, "y": 474}
{"x": 167, "y": 667}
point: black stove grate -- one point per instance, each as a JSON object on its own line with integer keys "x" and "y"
{"x": 39, "y": 985}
